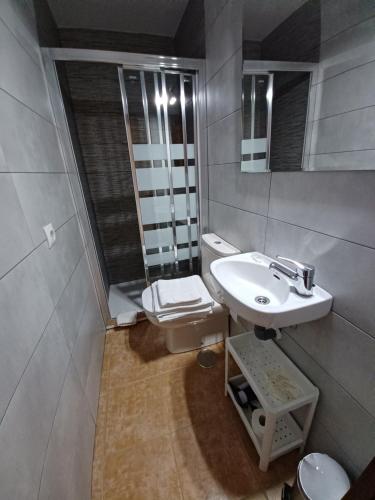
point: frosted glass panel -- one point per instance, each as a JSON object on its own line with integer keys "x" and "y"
{"x": 183, "y": 253}
{"x": 254, "y": 165}
{"x": 157, "y": 178}
{"x": 180, "y": 206}
{"x": 183, "y": 235}
{"x": 156, "y": 259}
{"x": 155, "y": 209}
{"x": 148, "y": 152}
{"x": 156, "y": 238}
{"x": 250, "y": 146}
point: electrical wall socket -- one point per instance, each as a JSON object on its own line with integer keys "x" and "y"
{"x": 50, "y": 234}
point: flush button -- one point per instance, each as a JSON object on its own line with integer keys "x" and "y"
{"x": 50, "y": 234}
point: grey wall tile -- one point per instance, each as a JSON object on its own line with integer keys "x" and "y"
{"x": 223, "y": 140}
{"x": 337, "y": 410}
{"x": 88, "y": 351}
{"x": 346, "y": 132}
{"x": 212, "y": 9}
{"x": 351, "y": 48}
{"x": 346, "y": 92}
{"x": 224, "y": 37}
{"x": 348, "y": 160}
{"x": 321, "y": 440}
{"x": 339, "y": 16}
{"x": 224, "y": 90}
{"x": 345, "y": 352}
{"x": 20, "y": 20}
{"x": 44, "y": 198}
{"x": 73, "y": 300}
{"x": 67, "y": 471}
{"x": 328, "y": 202}
{"x": 341, "y": 268}
{"x": 25, "y": 308}
{"x": 26, "y": 426}
{"x": 243, "y": 229}
{"x": 20, "y": 75}
{"x": 15, "y": 238}
{"x": 20, "y": 126}
{"x": 242, "y": 190}
{"x": 60, "y": 261}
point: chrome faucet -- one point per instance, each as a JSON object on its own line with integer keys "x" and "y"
{"x": 303, "y": 274}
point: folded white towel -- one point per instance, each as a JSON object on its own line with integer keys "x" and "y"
{"x": 197, "y": 310}
{"x": 127, "y": 318}
{"x": 179, "y": 291}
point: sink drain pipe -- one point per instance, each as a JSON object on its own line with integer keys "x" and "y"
{"x": 263, "y": 333}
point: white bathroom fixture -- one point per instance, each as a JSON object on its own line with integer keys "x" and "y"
{"x": 266, "y": 297}
{"x": 185, "y": 334}
{"x": 280, "y": 389}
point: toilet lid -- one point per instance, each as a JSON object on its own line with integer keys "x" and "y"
{"x": 320, "y": 476}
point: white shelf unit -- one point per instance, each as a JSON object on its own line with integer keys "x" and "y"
{"x": 280, "y": 388}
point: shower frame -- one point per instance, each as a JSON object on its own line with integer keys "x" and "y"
{"x": 142, "y": 62}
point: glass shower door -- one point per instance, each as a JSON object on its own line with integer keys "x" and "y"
{"x": 257, "y": 119}
{"x": 159, "y": 111}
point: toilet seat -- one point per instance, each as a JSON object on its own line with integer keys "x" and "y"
{"x": 149, "y": 310}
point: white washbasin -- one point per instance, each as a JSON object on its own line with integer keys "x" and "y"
{"x": 246, "y": 279}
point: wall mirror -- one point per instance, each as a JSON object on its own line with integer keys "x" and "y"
{"x": 308, "y": 96}
{"x": 275, "y": 106}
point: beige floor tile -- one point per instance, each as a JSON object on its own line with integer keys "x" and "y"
{"x": 147, "y": 472}
{"x": 157, "y": 410}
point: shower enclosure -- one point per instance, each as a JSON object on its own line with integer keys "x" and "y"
{"x": 133, "y": 130}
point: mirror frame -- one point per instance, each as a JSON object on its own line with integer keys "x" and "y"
{"x": 251, "y": 67}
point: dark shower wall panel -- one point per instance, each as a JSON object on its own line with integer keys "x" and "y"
{"x": 96, "y": 103}
{"x": 289, "y": 107}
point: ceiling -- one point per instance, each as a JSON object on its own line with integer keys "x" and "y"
{"x": 263, "y": 16}
{"x": 154, "y": 17}
{"x": 162, "y": 17}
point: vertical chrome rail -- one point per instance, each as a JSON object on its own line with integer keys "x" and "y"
{"x": 197, "y": 146}
{"x": 252, "y": 129}
{"x": 170, "y": 173}
{"x": 133, "y": 168}
{"x": 269, "y": 117}
{"x": 149, "y": 141}
{"x": 186, "y": 167}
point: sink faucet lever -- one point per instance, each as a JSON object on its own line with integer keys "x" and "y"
{"x": 303, "y": 271}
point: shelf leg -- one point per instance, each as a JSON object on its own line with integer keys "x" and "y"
{"x": 265, "y": 452}
{"x": 307, "y": 424}
{"x": 226, "y": 369}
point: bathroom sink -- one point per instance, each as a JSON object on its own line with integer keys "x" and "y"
{"x": 264, "y": 296}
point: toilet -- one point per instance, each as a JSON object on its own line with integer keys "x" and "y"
{"x": 184, "y": 334}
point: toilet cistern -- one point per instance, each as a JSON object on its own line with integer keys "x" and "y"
{"x": 303, "y": 275}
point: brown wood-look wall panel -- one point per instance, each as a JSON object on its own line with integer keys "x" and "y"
{"x": 96, "y": 104}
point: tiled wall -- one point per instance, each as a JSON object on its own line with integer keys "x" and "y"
{"x": 51, "y": 330}
{"x": 325, "y": 218}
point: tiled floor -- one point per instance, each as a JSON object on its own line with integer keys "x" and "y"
{"x": 166, "y": 431}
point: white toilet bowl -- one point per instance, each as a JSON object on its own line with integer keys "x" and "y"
{"x": 184, "y": 334}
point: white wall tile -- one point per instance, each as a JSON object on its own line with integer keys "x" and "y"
{"x": 244, "y": 230}
{"x": 20, "y": 76}
{"x": 239, "y": 189}
{"x": 45, "y": 198}
{"x": 29, "y": 142}
{"x": 223, "y": 140}
{"x": 67, "y": 471}
{"x": 15, "y": 237}
{"x": 338, "y": 204}
{"x": 60, "y": 261}
{"x": 25, "y": 308}
{"x": 26, "y": 426}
